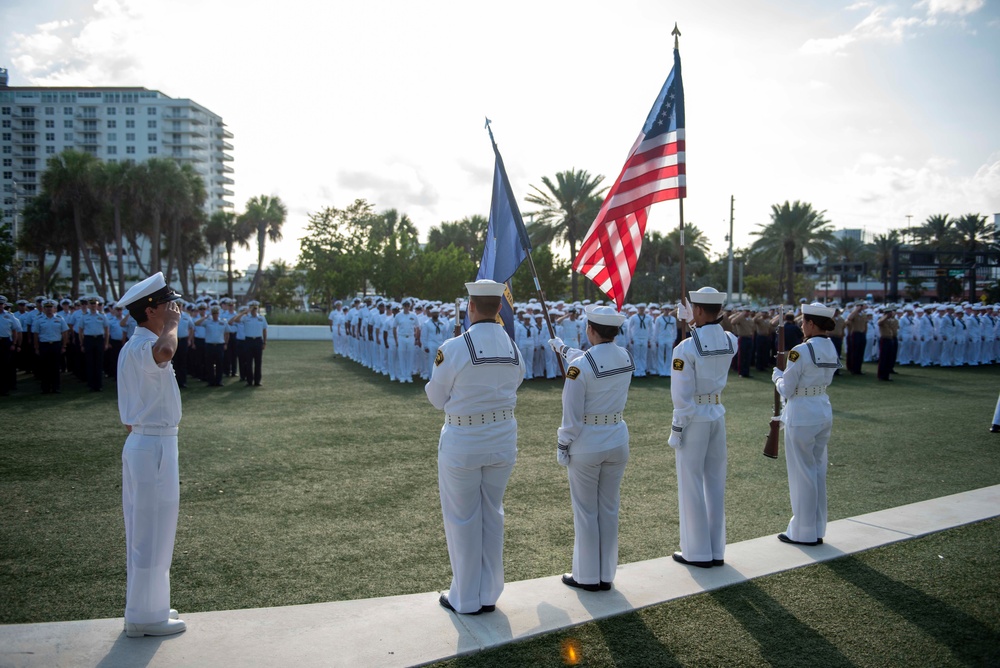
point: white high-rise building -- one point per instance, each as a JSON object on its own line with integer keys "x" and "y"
{"x": 113, "y": 123}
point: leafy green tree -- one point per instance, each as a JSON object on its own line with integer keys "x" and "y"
{"x": 553, "y": 276}
{"x": 333, "y": 250}
{"x": 225, "y": 229}
{"x": 443, "y": 273}
{"x": 973, "y": 232}
{"x": 795, "y": 229}
{"x": 391, "y": 249}
{"x": 568, "y": 208}
{"x": 881, "y": 249}
{"x": 265, "y": 214}
{"x": 469, "y": 234}
{"x": 46, "y": 229}
{"x": 279, "y": 286}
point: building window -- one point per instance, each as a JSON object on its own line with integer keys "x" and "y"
{"x": 112, "y": 136}
{"x": 6, "y": 123}
{"x": 152, "y": 150}
{"x": 112, "y": 150}
{"x": 28, "y": 136}
{"x": 151, "y": 136}
{"x": 8, "y": 162}
{"x": 151, "y": 111}
{"x": 30, "y": 188}
{"x": 6, "y": 136}
{"x": 50, "y": 124}
{"x": 150, "y": 124}
{"x": 50, "y": 149}
{"x": 113, "y": 161}
{"x": 130, "y": 111}
{"x": 67, "y": 111}
{"x": 5, "y": 111}
{"x": 129, "y": 124}
{"x": 130, "y": 149}
{"x": 67, "y": 136}
{"x": 112, "y": 111}
{"x": 50, "y": 136}
{"x": 8, "y": 175}
{"x": 112, "y": 124}
{"x": 129, "y": 136}
{"x": 28, "y": 162}
{"x": 68, "y": 124}
{"x": 27, "y": 111}
{"x": 6, "y": 149}
{"x": 50, "y": 111}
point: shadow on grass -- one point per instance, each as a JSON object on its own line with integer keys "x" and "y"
{"x": 970, "y": 641}
{"x": 783, "y": 639}
{"x": 630, "y": 641}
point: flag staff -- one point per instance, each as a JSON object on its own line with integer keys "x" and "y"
{"x": 527, "y": 251}
{"x": 680, "y": 201}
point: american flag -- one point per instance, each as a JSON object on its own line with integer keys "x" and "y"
{"x": 654, "y": 172}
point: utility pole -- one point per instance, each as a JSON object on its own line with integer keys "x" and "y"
{"x": 729, "y": 281}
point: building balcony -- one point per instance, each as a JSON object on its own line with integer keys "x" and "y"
{"x": 226, "y": 169}
{"x": 187, "y": 157}
{"x": 21, "y": 141}
{"x": 87, "y": 114}
{"x": 225, "y": 146}
{"x": 227, "y": 157}
{"x": 226, "y": 134}
{"x": 222, "y": 192}
{"x": 19, "y": 114}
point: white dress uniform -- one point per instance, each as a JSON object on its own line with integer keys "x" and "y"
{"x": 946, "y": 339}
{"x": 593, "y": 399}
{"x": 475, "y": 380}
{"x": 640, "y": 331}
{"x": 908, "y": 349}
{"x": 808, "y": 419}
{"x": 700, "y": 369}
{"x": 150, "y": 402}
{"x": 526, "y": 344}
{"x": 926, "y": 334}
{"x": 432, "y": 334}
{"x": 405, "y": 328}
{"x": 666, "y": 335}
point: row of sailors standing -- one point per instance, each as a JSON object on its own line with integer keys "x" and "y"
{"x": 946, "y": 335}
{"x": 84, "y": 337}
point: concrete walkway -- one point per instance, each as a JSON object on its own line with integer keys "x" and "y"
{"x": 414, "y": 629}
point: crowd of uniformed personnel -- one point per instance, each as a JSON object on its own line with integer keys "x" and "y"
{"x": 400, "y": 339}
{"x": 47, "y": 338}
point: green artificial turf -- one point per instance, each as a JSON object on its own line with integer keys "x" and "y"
{"x": 322, "y": 484}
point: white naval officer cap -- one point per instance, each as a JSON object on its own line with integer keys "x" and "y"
{"x": 150, "y": 292}
{"x": 707, "y": 295}
{"x": 604, "y": 315}
{"x": 484, "y": 287}
{"x": 819, "y": 310}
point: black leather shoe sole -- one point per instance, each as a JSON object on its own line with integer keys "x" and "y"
{"x": 785, "y": 539}
{"x": 718, "y": 562}
{"x": 679, "y": 558}
{"x": 605, "y": 586}
{"x": 488, "y": 608}
{"x": 568, "y": 580}
{"x": 446, "y": 604}
{"x": 995, "y": 429}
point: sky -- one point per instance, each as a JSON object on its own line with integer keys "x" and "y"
{"x": 870, "y": 111}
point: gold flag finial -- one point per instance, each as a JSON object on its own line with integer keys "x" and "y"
{"x": 676, "y": 33}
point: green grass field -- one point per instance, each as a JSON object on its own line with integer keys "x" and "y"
{"x": 321, "y": 485}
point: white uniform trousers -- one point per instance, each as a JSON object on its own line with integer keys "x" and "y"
{"x": 150, "y": 502}
{"x": 528, "y": 353}
{"x": 472, "y": 487}
{"x": 640, "y": 354}
{"x": 405, "y": 368}
{"x": 651, "y": 364}
{"x": 393, "y": 359}
{"x": 996, "y": 413}
{"x": 664, "y": 357}
{"x": 701, "y": 490}
{"x": 595, "y": 481}
{"x": 806, "y": 457}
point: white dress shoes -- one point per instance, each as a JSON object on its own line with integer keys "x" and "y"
{"x": 173, "y": 615}
{"x": 165, "y": 628}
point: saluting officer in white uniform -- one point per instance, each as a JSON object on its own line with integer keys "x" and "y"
{"x": 593, "y": 445}
{"x": 475, "y": 380}
{"x": 149, "y": 403}
{"x": 808, "y": 419}
{"x": 699, "y": 371}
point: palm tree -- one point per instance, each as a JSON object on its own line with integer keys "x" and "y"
{"x": 265, "y": 215}
{"x": 46, "y": 230}
{"x": 568, "y": 209}
{"x": 70, "y": 180}
{"x": 795, "y": 229}
{"x": 467, "y": 234}
{"x": 937, "y": 234}
{"x": 973, "y": 232}
{"x": 881, "y": 249}
{"x": 225, "y": 229}
{"x": 161, "y": 190}
{"x": 113, "y": 182}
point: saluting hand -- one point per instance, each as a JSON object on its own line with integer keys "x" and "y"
{"x": 172, "y": 315}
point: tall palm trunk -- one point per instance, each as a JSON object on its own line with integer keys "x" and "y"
{"x": 790, "y": 269}
{"x": 78, "y": 224}
{"x": 229, "y": 266}
{"x": 154, "y": 241}
{"x": 119, "y": 251}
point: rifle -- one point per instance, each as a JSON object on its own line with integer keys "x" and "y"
{"x": 771, "y": 445}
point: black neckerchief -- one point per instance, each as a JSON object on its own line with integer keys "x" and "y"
{"x": 714, "y": 322}
{"x": 480, "y": 322}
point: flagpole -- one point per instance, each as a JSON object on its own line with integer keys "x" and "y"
{"x": 534, "y": 272}
{"x": 680, "y": 203}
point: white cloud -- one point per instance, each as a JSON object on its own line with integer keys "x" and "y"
{"x": 960, "y": 7}
{"x": 877, "y": 26}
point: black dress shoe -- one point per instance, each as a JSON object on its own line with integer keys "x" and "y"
{"x": 605, "y": 586}
{"x": 718, "y": 562}
{"x": 568, "y": 580}
{"x": 995, "y": 429}
{"x": 679, "y": 558}
{"x": 446, "y": 604}
{"x": 488, "y": 608}
{"x": 785, "y": 539}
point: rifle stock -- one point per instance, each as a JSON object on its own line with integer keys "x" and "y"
{"x": 771, "y": 444}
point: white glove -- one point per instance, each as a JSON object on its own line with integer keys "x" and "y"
{"x": 562, "y": 454}
{"x": 684, "y": 312}
{"x": 776, "y": 374}
{"x": 556, "y": 344}
{"x": 675, "y": 439}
